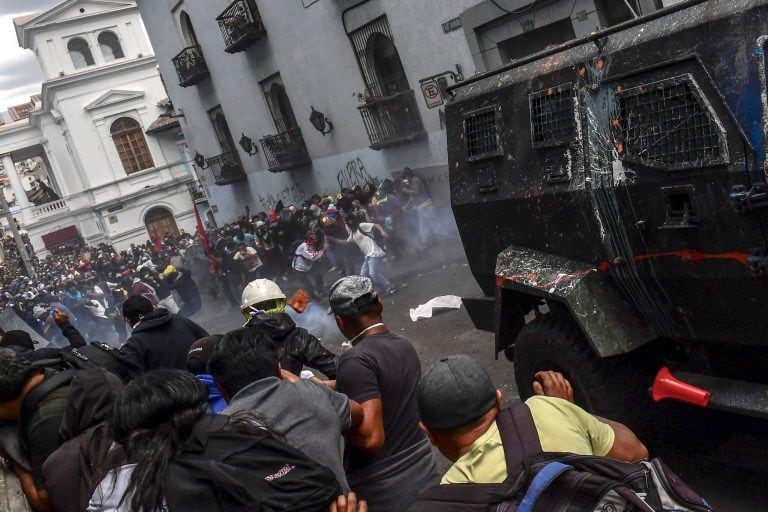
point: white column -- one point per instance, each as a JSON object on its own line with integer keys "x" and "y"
{"x": 13, "y": 179}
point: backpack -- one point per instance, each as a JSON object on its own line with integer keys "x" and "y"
{"x": 539, "y": 481}
{"x": 95, "y": 355}
{"x": 88, "y": 451}
{"x": 224, "y": 470}
{"x": 33, "y": 398}
{"x": 376, "y": 237}
{"x": 89, "y": 400}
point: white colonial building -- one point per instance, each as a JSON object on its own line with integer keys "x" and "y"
{"x": 102, "y": 128}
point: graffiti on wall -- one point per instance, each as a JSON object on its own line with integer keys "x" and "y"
{"x": 291, "y": 194}
{"x": 354, "y": 173}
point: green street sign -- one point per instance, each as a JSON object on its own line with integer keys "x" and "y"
{"x": 451, "y": 25}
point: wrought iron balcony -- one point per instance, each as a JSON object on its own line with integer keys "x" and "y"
{"x": 240, "y": 25}
{"x": 392, "y": 120}
{"x": 197, "y": 191}
{"x": 226, "y": 168}
{"x": 285, "y": 150}
{"x": 190, "y": 66}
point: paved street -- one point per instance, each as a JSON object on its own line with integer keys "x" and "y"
{"x": 724, "y": 459}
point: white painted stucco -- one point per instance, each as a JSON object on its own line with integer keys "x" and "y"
{"x": 70, "y": 128}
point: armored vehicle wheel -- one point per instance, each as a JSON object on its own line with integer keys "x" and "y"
{"x": 613, "y": 387}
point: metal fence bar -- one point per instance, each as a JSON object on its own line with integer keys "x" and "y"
{"x": 240, "y": 25}
{"x": 553, "y": 116}
{"x": 281, "y": 124}
{"x": 391, "y": 120}
{"x": 285, "y": 150}
{"x": 226, "y": 168}
{"x": 667, "y": 124}
{"x": 190, "y": 66}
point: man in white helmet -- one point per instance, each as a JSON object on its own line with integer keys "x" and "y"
{"x": 263, "y": 306}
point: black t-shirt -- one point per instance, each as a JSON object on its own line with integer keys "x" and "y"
{"x": 383, "y": 366}
{"x": 227, "y": 262}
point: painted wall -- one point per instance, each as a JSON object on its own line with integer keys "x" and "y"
{"x": 315, "y": 59}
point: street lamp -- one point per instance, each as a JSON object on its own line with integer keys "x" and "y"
{"x": 319, "y": 121}
{"x": 247, "y": 144}
{"x": 200, "y": 160}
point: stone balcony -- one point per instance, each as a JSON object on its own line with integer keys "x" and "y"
{"x": 53, "y": 208}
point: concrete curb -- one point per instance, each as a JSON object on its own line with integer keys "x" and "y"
{"x": 11, "y": 496}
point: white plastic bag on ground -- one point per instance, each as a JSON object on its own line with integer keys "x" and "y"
{"x": 444, "y": 301}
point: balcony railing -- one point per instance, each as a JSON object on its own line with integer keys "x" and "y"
{"x": 392, "y": 120}
{"x": 46, "y": 209}
{"x": 240, "y": 25}
{"x": 190, "y": 66}
{"x": 285, "y": 150}
{"x": 226, "y": 168}
{"x": 198, "y": 193}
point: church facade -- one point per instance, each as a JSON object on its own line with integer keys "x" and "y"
{"x": 99, "y": 154}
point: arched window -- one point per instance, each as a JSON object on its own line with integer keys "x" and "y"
{"x": 282, "y": 111}
{"x": 110, "y": 46}
{"x": 131, "y": 145}
{"x": 80, "y": 53}
{"x": 187, "y": 30}
{"x": 383, "y": 58}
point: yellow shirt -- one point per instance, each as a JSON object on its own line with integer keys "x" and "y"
{"x": 562, "y": 427}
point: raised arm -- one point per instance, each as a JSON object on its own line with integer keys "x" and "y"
{"x": 69, "y": 331}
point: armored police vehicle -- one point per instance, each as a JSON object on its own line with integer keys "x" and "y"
{"x": 611, "y": 197}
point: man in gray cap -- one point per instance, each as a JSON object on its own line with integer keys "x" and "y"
{"x": 458, "y": 405}
{"x": 388, "y": 460}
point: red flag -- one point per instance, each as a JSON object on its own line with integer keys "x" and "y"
{"x": 201, "y": 230}
{"x": 158, "y": 243}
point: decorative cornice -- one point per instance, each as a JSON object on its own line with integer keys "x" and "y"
{"x": 113, "y": 97}
{"x": 49, "y": 86}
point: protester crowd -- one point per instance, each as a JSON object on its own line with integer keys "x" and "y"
{"x": 351, "y": 232}
{"x": 263, "y": 417}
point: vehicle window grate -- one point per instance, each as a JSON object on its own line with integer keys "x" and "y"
{"x": 667, "y": 124}
{"x": 553, "y": 117}
{"x": 482, "y": 134}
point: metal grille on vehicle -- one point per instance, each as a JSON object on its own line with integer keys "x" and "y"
{"x": 553, "y": 121}
{"x": 667, "y": 124}
{"x": 482, "y": 134}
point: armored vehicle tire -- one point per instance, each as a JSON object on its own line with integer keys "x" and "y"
{"x": 613, "y": 387}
